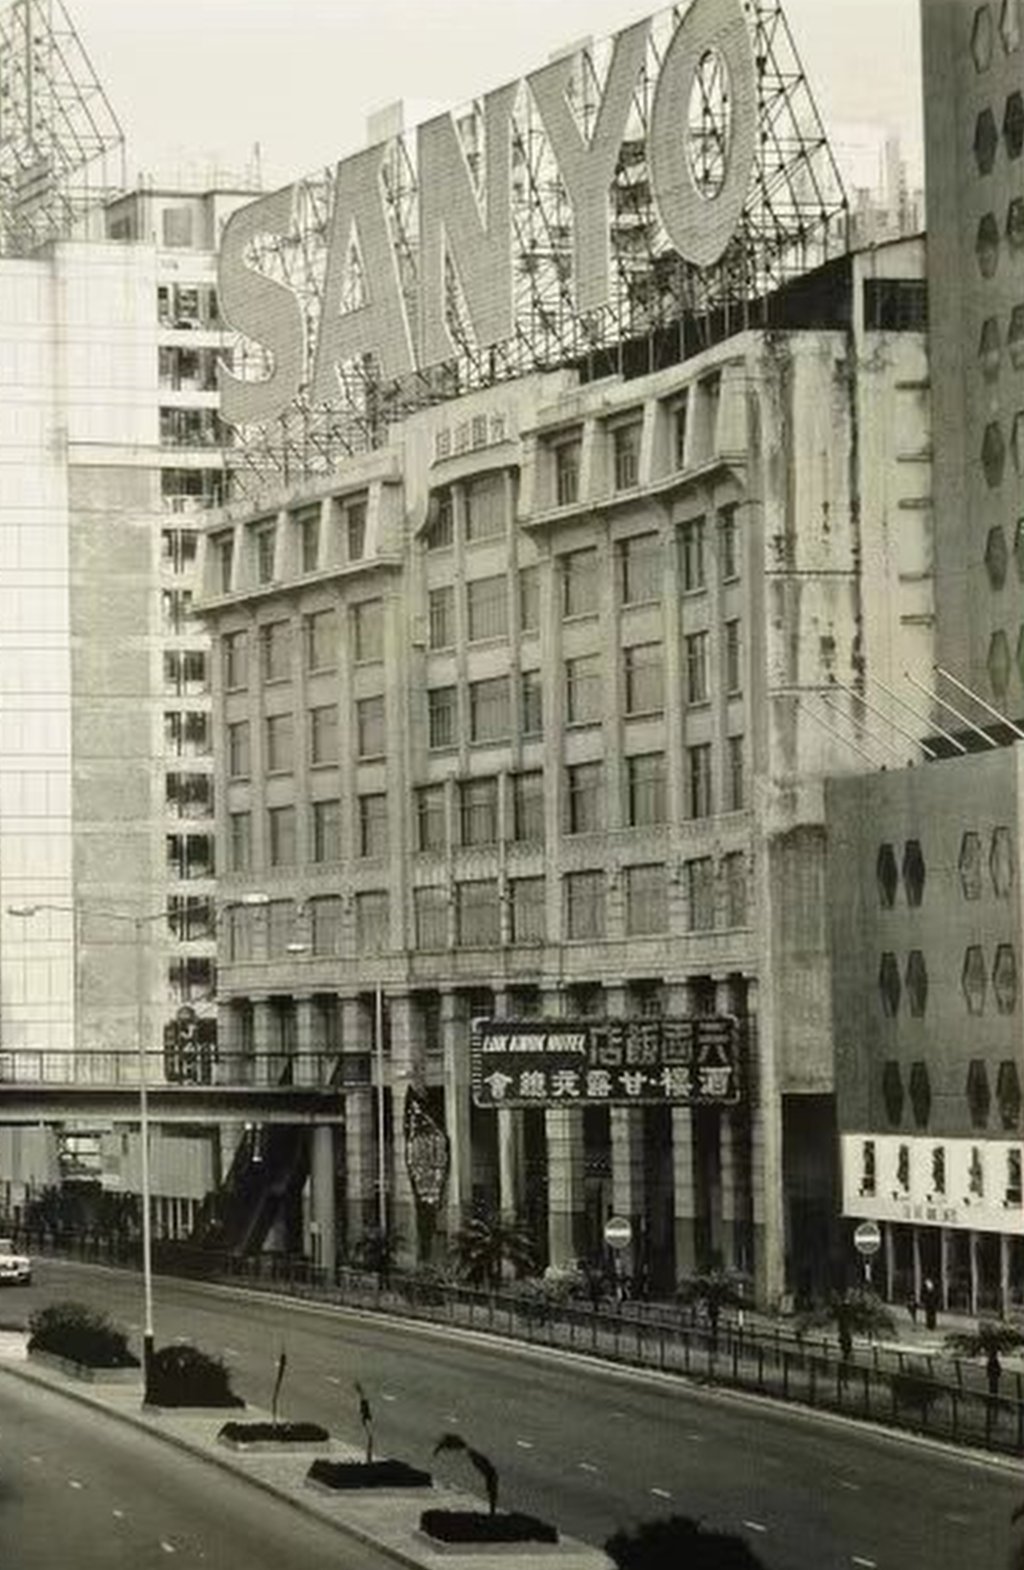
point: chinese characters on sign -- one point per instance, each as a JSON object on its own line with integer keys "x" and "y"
{"x": 619, "y": 1062}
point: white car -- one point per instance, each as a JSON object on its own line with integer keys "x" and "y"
{"x": 14, "y": 1267}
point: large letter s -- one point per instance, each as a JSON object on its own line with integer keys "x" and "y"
{"x": 264, "y": 310}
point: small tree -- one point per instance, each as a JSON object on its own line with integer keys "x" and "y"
{"x": 713, "y": 1290}
{"x": 484, "y": 1245}
{"x": 376, "y": 1251}
{"x": 990, "y": 1340}
{"x": 854, "y": 1312}
{"x": 488, "y": 1471}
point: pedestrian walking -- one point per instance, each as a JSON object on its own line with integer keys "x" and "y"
{"x": 929, "y": 1302}
{"x": 993, "y": 1371}
{"x": 912, "y": 1308}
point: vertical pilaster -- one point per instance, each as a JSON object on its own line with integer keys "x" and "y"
{"x": 684, "y": 1198}
{"x": 944, "y": 1270}
{"x": 455, "y": 1047}
{"x": 262, "y": 1040}
{"x": 916, "y": 1243}
{"x": 323, "y": 1164}
{"x": 626, "y": 1127}
{"x": 889, "y": 1242}
{"x": 304, "y": 1067}
{"x": 728, "y": 1162}
{"x": 972, "y": 1246}
{"x": 403, "y": 1202}
{"x": 766, "y": 1145}
{"x": 1004, "y": 1274}
{"x": 359, "y": 1163}
{"x": 563, "y": 1127}
{"x": 510, "y": 1142}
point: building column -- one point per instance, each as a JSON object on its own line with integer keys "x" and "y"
{"x": 944, "y": 1266}
{"x": 563, "y": 1128}
{"x": 916, "y": 1243}
{"x": 510, "y": 1142}
{"x": 404, "y": 1057}
{"x": 972, "y": 1249}
{"x": 1004, "y": 1274}
{"x": 304, "y": 1064}
{"x": 729, "y": 1155}
{"x": 629, "y": 1189}
{"x": 765, "y": 1149}
{"x": 323, "y": 1224}
{"x": 455, "y": 1046}
{"x": 888, "y": 1238}
{"x": 227, "y": 1069}
{"x": 263, "y": 1042}
{"x": 360, "y": 1171}
{"x": 684, "y": 1197}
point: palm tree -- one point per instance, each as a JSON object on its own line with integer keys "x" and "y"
{"x": 488, "y": 1471}
{"x": 713, "y": 1290}
{"x": 484, "y": 1245}
{"x": 854, "y": 1312}
{"x": 989, "y": 1340}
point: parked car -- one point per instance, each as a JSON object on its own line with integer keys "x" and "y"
{"x": 15, "y": 1268}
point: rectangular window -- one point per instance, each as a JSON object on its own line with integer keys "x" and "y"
{"x": 264, "y": 536}
{"x": 441, "y": 528}
{"x": 326, "y": 830}
{"x": 323, "y": 734}
{"x": 567, "y": 473}
{"x": 321, "y": 641}
{"x": 238, "y": 750}
{"x": 430, "y": 818}
{"x": 679, "y": 424}
{"x": 584, "y": 698}
{"x": 579, "y": 582}
{"x": 584, "y": 904}
{"x": 373, "y": 824}
{"x": 368, "y": 631}
{"x": 370, "y": 733}
{"x": 734, "y": 756}
{"x": 698, "y": 780}
{"x": 276, "y": 650}
{"x": 640, "y": 569}
{"x": 442, "y": 716}
{"x": 178, "y": 549}
{"x": 325, "y": 921}
{"x": 531, "y": 703}
{"x": 430, "y": 910}
{"x": 691, "y": 546}
{"x": 487, "y": 608}
{"x": 644, "y": 678}
{"x": 354, "y": 524}
{"x": 485, "y": 507}
{"x": 697, "y": 667}
{"x": 734, "y": 877}
{"x": 372, "y": 933}
{"x": 700, "y": 894}
{"x": 626, "y": 448}
{"x": 441, "y": 615}
{"x": 239, "y": 841}
{"x": 528, "y": 808}
{"x": 728, "y": 544}
{"x": 529, "y": 599}
{"x": 189, "y": 795}
{"x": 280, "y": 752}
{"x": 489, "y": 709}
{"x": 175, "y": 609}
{"x": 307, "y": 527}
{"x": 236, "y": 660}
{"x": 478, "y": 914}
{"x": 281, "y": 836}
{"x": 733, "y": 658}
{"x": 646, "y": 899}
{"x": 527, "y": 918}
{"x": 478, "y": 812}
{"x": 224, "y": 556}
{"x": 584, "y": 798}
{"x": 187, "y": 734}
{"x": 645, "y": 790}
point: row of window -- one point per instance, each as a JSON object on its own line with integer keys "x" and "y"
{"x": 323, "y": 738}
{"x": 1010, "y": 1183}
{"x": 484, "y": 508}
{"x": 269, "y": 547}
{"x": 321, "y": 642}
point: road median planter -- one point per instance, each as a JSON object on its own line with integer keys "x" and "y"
{"x": 337, "y": 1476}
{"x": 183, "y": 1376}
{"x": 122, "y": 1374}
{"x": 261, "y": 1437}
{"x": 457, "y": 1528}
{"x": 82, "y": 1343}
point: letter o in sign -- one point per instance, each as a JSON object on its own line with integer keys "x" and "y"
{"x": 703, "y": 130}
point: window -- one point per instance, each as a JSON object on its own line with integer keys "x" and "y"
{"x": 529, "y": 599}
{"x": 370, "y": 727}
{"x": 696, "y": 645}
{"x": 325, "y": 825}
{"x": 323, "y": 734}
{"x": 691, "y": 540}
{"x": 239, "y": 841}
{"x": 644, "y": 673}
{"x": 236, "y": 660}
{"x": 187, "y": 733}
{"x": 280, "y": 752}
{"x": 280, "y": 919}
{"x": 584, "y": 905}
{"x": 567, "y": 472}
{"x": 276, "y": 650}
{"x": 368, "y": 631}
{"x": 626, "y": 452}
{"x": 178, "y": 549}
{"x": 430, "y": 912}
{"x": 477, "y": 914}
{"x": 734, "y": 763}
{"x": 584, "y": 798}
{"x": 733, "y": 671}
{"x": 176, "y": 224}
{"x": 441, "y": 617}
{"x": 281, "y": 836}
{"x": 728, "y": 544}
{"x": 485, "y": 507}
{"x": 307, "y": 525}
{"x": 679, "y": 424}
{"x": 734, "y": 872}
{"x": 185, "y": 673}
{"x": 646, "y": 899}
{"x": 353, "y": 515}
{"x": 700, "y": 894}
{"x": 527, "y": 919}
{"x": 896, "y": 305}
{"x": 698, "y": 780}
{"x": 224, "y": 559}
{"x": 325, "y": 923}
{"x": 640, "y": 572}
{"x": 583, "y": 694}
{"x": 190, "y": 918}
{"x": 478, "y": 812}
{"x": 372, "y": 921}
{"x": 531, "y": 703}
{"x": 442, "y": 711}
{"x": 579, "y": 582}
{"x": 264, "y": 536}
{"x": 373, "y": 824}
{"x": 1014, "y": 1186}
{"x": 645, "y": 789}
{"x": 321, "y": 640}
{"x": 441, "y": 527}
{"x": 189, "y": 795}
{"x": 190, "y": 855}
{"x": 238, "y": 750}
{"x": 528, "y": 808}
{"x": 489, "y": 713}
{"x": 487, "y": 608}
{"x": 430, "y": 818}
{"x": 175, "y": 609}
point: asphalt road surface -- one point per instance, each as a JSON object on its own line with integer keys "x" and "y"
{"x": 591, "y": 1448}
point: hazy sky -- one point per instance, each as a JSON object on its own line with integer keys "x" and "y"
{"x": 199, "y": 80}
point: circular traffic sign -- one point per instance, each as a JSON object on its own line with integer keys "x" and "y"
{"x": 618, "y": 1232}
{"x": 867, "y": 1239}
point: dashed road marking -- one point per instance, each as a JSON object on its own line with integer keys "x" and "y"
{"x": 617, "y": 1414}
{"x": 386, "y": 1395}
{"x": 74, "y": 1483}
{"x": 957, "y": 1518}
{"x": 524, "y": 1444}
{"x": 865, "y": 1564}
{"x": 230, "y": 1351}
{"x": 755, "y": 1526}
{"x": 661, "y": 1493}
{"x": 451, "y": 1417}
{"x": 36, "y": 1460}
{"x": 587, "y": 1466}
{"x": 332, "y": 1379}
{"x": 118, "y": 1515}
{"x": 844, "y": 1482}
{"x": 697, "y": 1439}
{"x": 167, "y": 1547}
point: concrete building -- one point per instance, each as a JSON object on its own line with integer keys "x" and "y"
{"x": 527, "y": 714}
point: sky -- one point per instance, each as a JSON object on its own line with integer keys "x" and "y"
{"x": 198, "y": 82}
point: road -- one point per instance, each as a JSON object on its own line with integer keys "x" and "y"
{"x": 592, "y": 1448}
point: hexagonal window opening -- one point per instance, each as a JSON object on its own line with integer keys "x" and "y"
{"x": 993, "y": 450}
{"x": 989, "y": 348}
{"x": 920, "y": 1093}
{"x": 969, "y": 865}
{"x": 999, "y": 663}
{"x": 981, "y": 38}
{"x": 916, "y": 982}
{"x": 1009, "y": 25}
{"x": 913, "y": 872}
{"x": 892, "y": 1091}
{"x": 1015, "y": 222}
{"x": 886, "y": 875}
{"x": 1002, "y": 864}
{"x": 1004, "y": 978}
{"x": 1013, "y": 125}
{"x": 986, "y": 245}
{"x": 889, "y": 985}
{"x": 979, "y": 1094}
{"x": 1018, "y": 548}
{"x": 996, "y": 557}
{"x": 986, "y": 140}
{"x": 1008, "y": 1093}
{"x": 1015, "y": 337}
{"x": 974, "y": 980}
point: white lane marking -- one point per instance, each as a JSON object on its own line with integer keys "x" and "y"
{"x": 386, "y": 1395}
{"x": 118, "y": 1515}
{"x": 697, "y": 1439}
{"x": 865, "y": 1564}
{"x": 167, "y": 1547}
{"x": 957, "y": 1519}
{"x": 332, "y": 1379}
{"x": 661, "y": 1493}
{"x": 230, "y": 1351}
{"x": 525, "y": 1444}
{"x": 844, "y": 1482}
{"x": 587, "y": 1466}
{"x": 755, "y": 1526}
{"x": 618, "y": 1414}
{"x": 37, "y": 1460}
{"x": 451, "y": 1417}
{"x": 74, "y": 1483}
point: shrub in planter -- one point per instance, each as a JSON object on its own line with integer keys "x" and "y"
{"x": 367, "y": 1474}
{"x": 678, "y": 1540}
{"x": 182, "y": 1375}
{"x": 277, "y": 1433}
{"x": 80, "y": 1334}
{"x": 476, "y": 1526}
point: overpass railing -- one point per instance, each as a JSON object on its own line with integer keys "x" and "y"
{"x": 120, "y": 1070}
